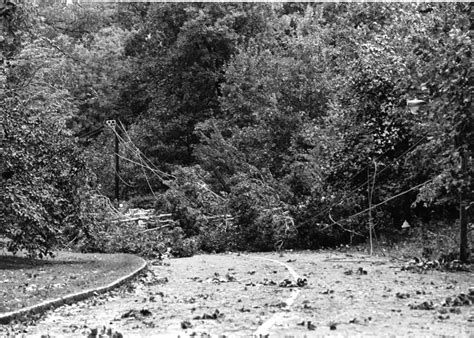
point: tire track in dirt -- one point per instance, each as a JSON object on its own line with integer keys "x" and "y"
{"x": 264, "y": 328}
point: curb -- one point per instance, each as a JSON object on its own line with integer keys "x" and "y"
{"x": 7, "y": 317}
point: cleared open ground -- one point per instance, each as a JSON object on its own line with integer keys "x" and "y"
{"x": 235, "y": 294}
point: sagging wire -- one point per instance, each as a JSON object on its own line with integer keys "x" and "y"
{"x": 363, "y": 184}
{"x": 383, "y": 202}
{"x": 140, "y": 154}
{"x": 123, "y": 181}
{"x": 143, "y": 163}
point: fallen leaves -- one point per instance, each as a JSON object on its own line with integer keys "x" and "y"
{"x": 186, "y": 324}
{"x": 308, "y": 324}
{"x": 217, "y": 279}
{"x": 102, "y": 332}
{"x": 420, "y": 265}
{"x": 402, "y": 295}
{"x": 287, "y": 283}
{"x": 426, "y": 305}
{"x": 138, "y": 314}
{"x": 214, "y": 316}
{"x": 359, "y": 271}
{"x": 460, "y": 300}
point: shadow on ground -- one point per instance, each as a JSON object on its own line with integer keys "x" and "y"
{"x": 8, "y": 262}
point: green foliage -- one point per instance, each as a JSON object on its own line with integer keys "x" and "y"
{"x": 273, "y": 120}
{"x": 127, "y": 237}
{"x": 43, "y": 180}
{"x": 262, "y": 218}
{"x": 181, "y": 53}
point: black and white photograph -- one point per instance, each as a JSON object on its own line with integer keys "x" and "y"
{"x": 236, "y": 169}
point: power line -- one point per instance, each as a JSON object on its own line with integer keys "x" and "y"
{"x": 388, "y": 200}
{"x": 91, "y": 132}
{"x": 141, "y": 154}
{"x": 376, "y": 205}
{"x": 162, "y": 175}
{"x": 123, "y": 181}
{"x": 363, "y": 184}
{"x": 144, "y": 165}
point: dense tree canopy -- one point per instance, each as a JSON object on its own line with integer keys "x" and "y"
{"x": 258, "y": 126}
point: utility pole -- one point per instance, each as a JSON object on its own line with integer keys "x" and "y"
{"x": 113, "y": 125}
{"x": 370, "y": 193}
{"x": 117, "y": 168}
{"x": 369, "y": 196}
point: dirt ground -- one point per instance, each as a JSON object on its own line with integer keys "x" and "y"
{"x": 239, "y": 295}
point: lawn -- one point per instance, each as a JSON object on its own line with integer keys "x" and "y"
{"x": 25, "y": 282}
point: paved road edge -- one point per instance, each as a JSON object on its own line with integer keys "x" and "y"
{"x": 7, "y": 317}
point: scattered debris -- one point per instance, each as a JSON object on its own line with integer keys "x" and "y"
{"x": 354, "y": 321}
{"x": 162, "y": 280}
{"x": 215, "y": 315}
{"x": 348, "y": 272}
{"x": 310, "y": 326}
{"x": 230, "y": 278}
{"x": 103, "y": 332}
{"x": 327, "y": 292}
{"x": 287, "y": 283}
{"x": 186, "y": 324}
{"x": 217, "y": 279}
{"x": 459, "y": 300}
{"x": 267, "y": 281}
{"x": 402, "y": 295}
{"x": 420, "y": 265}
{"x": 301, "y": 282}
{"x": 149, "y": 278}
{"x": 361, "y": 271}
{"x": 426, "y": 305}
{"x": 138, "y": 314}
{"x": 280, "y": 305}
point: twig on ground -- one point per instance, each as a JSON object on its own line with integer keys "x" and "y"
{"x": 157, "y": 228}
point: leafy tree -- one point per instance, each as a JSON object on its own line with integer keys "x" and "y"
{"x": 44, "y": 177}
{"x": 183, "y": 49}
{"x": 43, "y": 182}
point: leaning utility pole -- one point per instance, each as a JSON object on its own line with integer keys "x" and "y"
{"x": 117, "y": 168}
{"x": 113, "y": 125}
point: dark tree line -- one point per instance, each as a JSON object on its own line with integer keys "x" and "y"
{"x": 291, "y": 118}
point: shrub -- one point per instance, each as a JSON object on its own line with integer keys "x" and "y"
{"x": 263, "y": 220}
{"x": 218, "y": 237}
